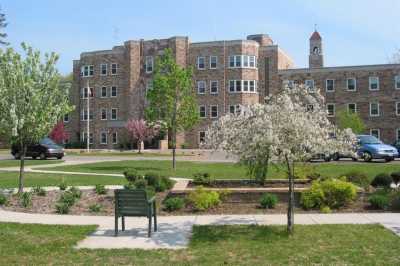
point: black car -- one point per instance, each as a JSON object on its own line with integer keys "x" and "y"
{"x": 46, "y": 148}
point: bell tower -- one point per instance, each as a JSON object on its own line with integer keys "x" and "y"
{"x": 316, "y": 58}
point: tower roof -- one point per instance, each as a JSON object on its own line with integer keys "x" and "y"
{"x": 315, "y": 36}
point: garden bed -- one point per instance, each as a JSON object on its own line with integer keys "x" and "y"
{"x": 251, "y": 183}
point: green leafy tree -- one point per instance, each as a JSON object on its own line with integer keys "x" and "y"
{"x": 3, "y": 24}
{"x": 32, "y": 100}
{"x": 352, "y": 120}
{"x": 172, "y": 99}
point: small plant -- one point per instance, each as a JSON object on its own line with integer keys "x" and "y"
{"x": 26, "y": 199}
{"x": 160, "y": 183}
{"x": 203, "y": 179}
{"x": 63, "y": 186}
{"x": 38, "y": 190}
{"x": 325, "y": 209}
{"x": 100, "y": 189}
{"x": 379, "y": 201}
{"x": 129, "y": 186}
{"x": 382, "y": 180}
{"x": 358, "y": 178}
{"x": 140, "y": 184}
{"x": 132, "y": 175}
{"x": 203, "y": 199}
{"x": 95, "y": 208}
{"x": 268, "y": 201}
{"x": 395, "y": 201}
{"x": 3, "y": 199}
{"x": 62, "y": 208}
{"x": 224, "y": 194}
{"x": 68, "y": 198}
{"x": 396, "y": 178}
{"x": 76, "y": 193}
{"x": 173, "y": 204}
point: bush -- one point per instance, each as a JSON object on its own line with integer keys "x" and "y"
{"x": 203, "y": 199}
{"x": 358, "y": 178}
{"x": 203, "y": 179}
{"x": 268, "y": 201}
{"x": 95, "y": 207}
{"x": 62, "y": 208}
{"x": 140, "y": 184}
{"x": 3, "y": 199}
{"x": 160, "y": 183}
{"x": 100, "y": 189}
{"x": 223, "y": 194}
{"x": 68, "y": 198}
{"x": 382, "y": 180}
{"x": 333, "y": 193}
{"x": 62, "y": 186}
{"x": 396, "y": 177}
{"x": 305, "y": 171}
{"x": 76, "y": 193}
{"x": 173, "y": 204}
{"x": 325, "y": 209}
{"x": 129, "y": 186}
{"x": 395, "y": 201}
{"x": 379, "y": 201}
{"x": 26, "y": 199}
{"x": 38, "y": 190}
{"x": 132, "y": 175}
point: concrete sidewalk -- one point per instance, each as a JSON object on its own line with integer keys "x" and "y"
{"x": 174, "y": 231}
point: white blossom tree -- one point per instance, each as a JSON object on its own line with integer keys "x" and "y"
{"x": 289, "y": 128}
{"x": 32, "y": 100}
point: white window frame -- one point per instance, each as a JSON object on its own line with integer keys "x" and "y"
{"x": 370, "y": 109}
{"x": 198, "y": 63}
{"x": 205, "y": 134}
{"x": 355, "y": 84}
{"x": 355, "y": 107}
{"x": 116, "y": 114}
{"x": 211, "y": 83}
{"x": 111, "y": 92}
{"x": 149, "y": 64}
{"x": 310, "y": 88}
{"x": 198, "y": 86}
{"x": 101, "y": 138}
{"x": 205, "y": 111}
{"x": 397, "y": 108}
{"x": 103, "y": 111}
{"x": 370, "y": 83}
{"x": 116, "y": 138}
{"x": 239, "y": 61}
{"x": 397, "y": 82}
{"x": 87, "y": 91}
{"x": 236, "y": 109}
{"x": 211, "y": 111}
{"x": 66, "y": 120}
{"x": 101, "y": 92}
{"x": 326, "y": 85}
{"x": 83, "y": 138}
{"x": 378, "y": 130}
{"x": 116, "y": 69}
{"x": 89, "y": 115}
{"x": 88, "y": 69}
{"x": 101, "y": 69}
{"x": 216, "y": 61}
{"x": 232, "y": 81}
{"x": 334, "y": 109}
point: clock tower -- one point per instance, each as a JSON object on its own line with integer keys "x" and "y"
{"x": 316, "y": 59}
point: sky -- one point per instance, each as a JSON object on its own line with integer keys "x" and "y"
{"x": 354, "y": 32}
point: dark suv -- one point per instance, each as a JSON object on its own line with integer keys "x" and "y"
{"x": 46, "y": 148}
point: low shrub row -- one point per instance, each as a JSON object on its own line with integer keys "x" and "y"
{"x": 67, "y": 199}
{"x": 152, "y": 182}
{"x": 384, "y": 199}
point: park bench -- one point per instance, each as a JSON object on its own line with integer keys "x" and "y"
{"x": 134, "y": 203}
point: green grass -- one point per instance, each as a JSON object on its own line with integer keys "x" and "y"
{"x": 14, "y": 163}
{"x": 124, "y": 154}
{"x": 224, "y": 170}
{"x": 10, "y": 180}
{"x": 22, "y": 244}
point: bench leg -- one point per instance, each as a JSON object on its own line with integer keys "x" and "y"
{"x": 149, "y": 232}
{"x": 155, "y": 222}
{"x": 116, "y": 226}
{"x": 123, "y": 223}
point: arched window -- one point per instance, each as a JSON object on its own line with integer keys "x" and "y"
{"x": 316, "y": 50}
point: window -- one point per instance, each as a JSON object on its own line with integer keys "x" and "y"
{"x": 245, "y": 61}
{"x": 201, "y": 87}
{"x": 214, "y": 87}
{"x": 114, "y": 68}
{"x": 288, "y": 84}
{"x": 114, "y": 137}
{"x": 214, "y": 111}
{"x": 66, "y": 118}
{"x": 352, "y": 108}
{"x": 103, "y": 114}
{"x": 310, "y": 107}
{"x": 84, "y": 137}
{"x": 231, "y": 61}
{"x": 201, "y": 62}
{"x": 202, "y": 111}
{"x": 231, "y": 86}
{"x": 330, "y": 85}
{"x": 149, "y": 64}
{"x": 375, "y": 132}
{"x": 114, "y": 114}
{"x": 238, "y": 60}
{"x": 84, "y": 115}
{"x": 213, "y": 62}
{"x": 331, "y": 109}
{"x": 234, "y": 109}
{"x": 310, "y": 85}
{"x": 113, "y": 91}
{"x": 252, "y": 61}
{"x": 87, "y": 71}
{"x": 202, "y": 137}
{"x": 103, "y": 69}
{"x": 374, "y": 109}
{"x": 397, "y": 82}
{"x": 252, "y": 86}
{"x": 103, "y": 92}
{"x": 351, "y": 84}
{"x": 243, "y": 86}
{"x": 149, "y": 85}
{"x": 85, "y": 91}
{"x": 238, "y": 85}
{"x": 103, "y": 138}
{"x": 398, "y": 108}
{"x": 373, "y": 83}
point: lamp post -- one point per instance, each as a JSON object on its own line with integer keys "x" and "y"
{"x": 88, "y": 118}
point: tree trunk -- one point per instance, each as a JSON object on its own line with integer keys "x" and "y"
{"x": 21, "y": 169}
{"x": 174, "y": 149}
{"x": 139, "y": 146}
{"x": 290, "y": 212}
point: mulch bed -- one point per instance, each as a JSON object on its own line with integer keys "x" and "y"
{"x": 251, "y": 183}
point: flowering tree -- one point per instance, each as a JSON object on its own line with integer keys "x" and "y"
{"x": 32, "y": 100}
{"x": 140, "y": 131}
{"x": 58, "y": 133}
{"x": 289, "y": 128}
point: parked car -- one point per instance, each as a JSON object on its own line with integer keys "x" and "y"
{"x": 397, "y": 146}
{"x": 46, "y": 148}
{"x": 321, "y": 156}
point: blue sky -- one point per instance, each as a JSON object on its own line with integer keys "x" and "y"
{"x": 354, "y": 31}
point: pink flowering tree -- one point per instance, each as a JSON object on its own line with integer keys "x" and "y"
{"x": 140, "y": 131}
{"x": 58, "y": 133}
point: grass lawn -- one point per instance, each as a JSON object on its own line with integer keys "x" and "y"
{"x": 224, "y": 170}
{"x": 10, "y": 180}
{"x": 13, "y": 163}
{"x": 22, "y": 244}
{"x": 124, "y": 153}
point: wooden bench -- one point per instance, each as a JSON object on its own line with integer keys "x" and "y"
{"x": 134, "y": 203}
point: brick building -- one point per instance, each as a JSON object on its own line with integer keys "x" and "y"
{"x": 227, "y": 74}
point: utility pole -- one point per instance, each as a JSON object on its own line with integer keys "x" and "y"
{"x": 88, "y": 118}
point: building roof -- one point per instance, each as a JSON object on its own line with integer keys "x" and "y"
{"x": 315, "y": 36}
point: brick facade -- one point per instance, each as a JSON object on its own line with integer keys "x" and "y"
{"x": 216, "y": 80}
